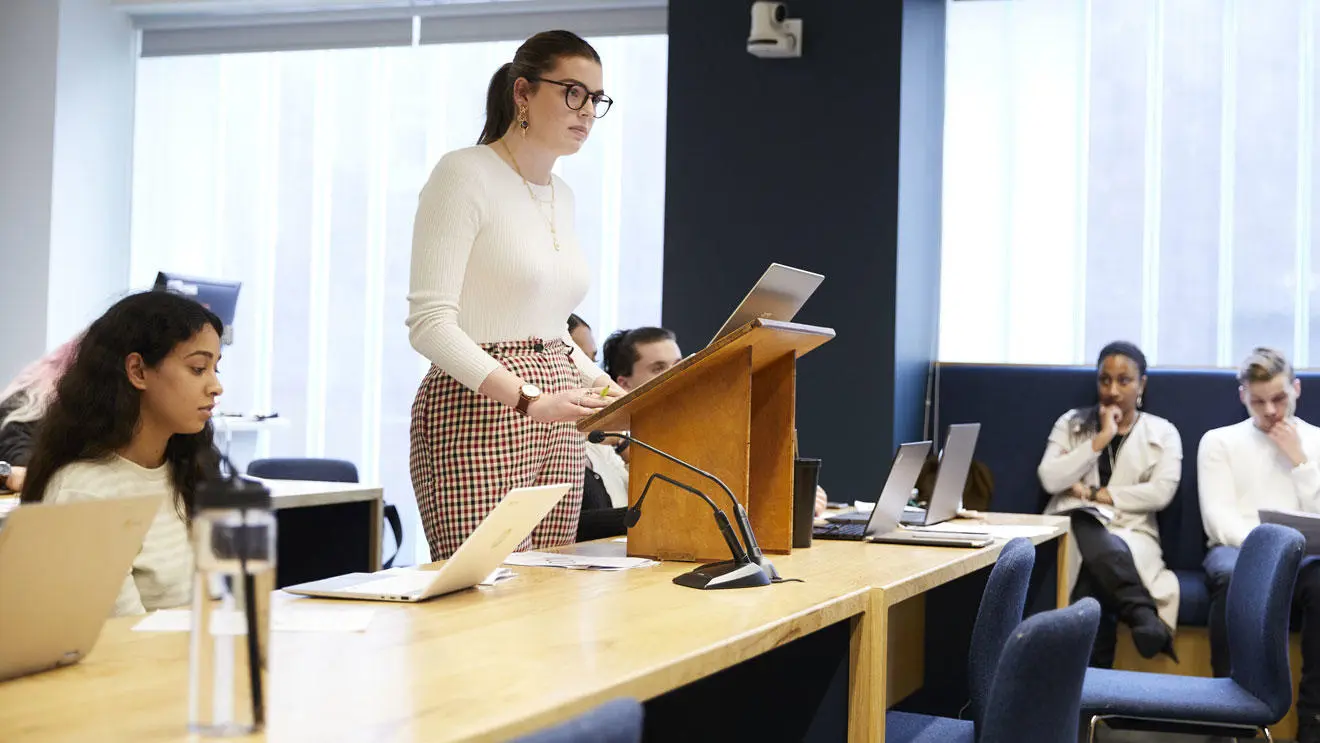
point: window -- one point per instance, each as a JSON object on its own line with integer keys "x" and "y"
{"x": 297, "y": 173}
{"x": 1130, "y": 169}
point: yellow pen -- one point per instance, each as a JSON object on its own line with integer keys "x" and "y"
{"x": 604, "y": 390}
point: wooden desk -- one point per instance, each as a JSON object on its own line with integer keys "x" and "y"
{"x": 506, "y": 660}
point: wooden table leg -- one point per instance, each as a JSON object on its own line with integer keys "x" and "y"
{"x": 867, "y": 677}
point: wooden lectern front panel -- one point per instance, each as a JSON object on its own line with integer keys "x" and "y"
{"x": 771, "y": 493}
{"x": 706, "y": 422}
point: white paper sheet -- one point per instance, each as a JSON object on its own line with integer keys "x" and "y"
{"x": 998, "y": 531}
{"x": 575, "y": 562}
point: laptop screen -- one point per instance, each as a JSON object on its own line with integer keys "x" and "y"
{"x": 898, "y": 487}
{"x": 777, "y": 295}
{"x": 955, "y": 461}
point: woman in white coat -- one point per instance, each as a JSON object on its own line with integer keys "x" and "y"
{"x": 1112, "y": 468}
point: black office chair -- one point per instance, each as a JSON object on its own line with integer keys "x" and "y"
{"x": 325, "y": 470}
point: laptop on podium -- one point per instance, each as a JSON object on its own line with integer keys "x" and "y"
{"x": 777, "y": 295}
{"x": 495, "y": 538}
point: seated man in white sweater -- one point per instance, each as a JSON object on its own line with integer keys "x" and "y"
{"x": 1267, "y": 461}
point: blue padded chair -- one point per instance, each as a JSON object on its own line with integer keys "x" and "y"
{"x": 617, "y": 721}
{"x": 1259, "y": 691}
{"x": 324, "y": 470}
{"x": 999, "y": 614}
{"x": 319, "y": 470}
{"x": 1037, "y": 685}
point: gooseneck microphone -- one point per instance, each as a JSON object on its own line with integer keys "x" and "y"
{"x": 740, "y": 514}
{"x": 634, "y": 514}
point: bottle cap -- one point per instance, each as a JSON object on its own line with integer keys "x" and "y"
{"x": 235, "y": 492}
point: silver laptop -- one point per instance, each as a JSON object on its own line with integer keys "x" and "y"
{"x": 495, "y": 538}
{"x": 955, "y": 461}
{"x": 903, "y": 474}
{"x": 61, "y": 568}
{"x": 778, "y": 295}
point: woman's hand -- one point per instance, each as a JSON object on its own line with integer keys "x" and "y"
{"x": 15, "y": 480}
{"x": 569, "y": 406}
{"x": 1080, "y": 490}
{"x": 1109, "y": 418}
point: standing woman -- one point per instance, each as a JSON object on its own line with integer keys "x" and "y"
{"x": 1113, "y": 458}
{"x": 496, "y": 267}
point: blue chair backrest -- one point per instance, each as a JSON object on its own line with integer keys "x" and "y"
{"x": 1017, "y": 406}
{"x": 617, "y": 721}
{"x": 999, "y": 614}
{"x": 320, "y": 470}
{"x": 1037, "y": 689}
{"x": 1259, "y": 604}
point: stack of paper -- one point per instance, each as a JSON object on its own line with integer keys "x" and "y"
{"x": 575, "y": 562}
{"x": 1070, "y": 503}
{"x": 1307, "y": 523}
{"x": 998, "y": 531}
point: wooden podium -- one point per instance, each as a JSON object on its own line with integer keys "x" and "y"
{"x": 730, "y": 411}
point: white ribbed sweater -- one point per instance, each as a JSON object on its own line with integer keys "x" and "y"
{"x": 485, "y": 268}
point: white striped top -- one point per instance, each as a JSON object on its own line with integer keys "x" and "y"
{"x": 161, "y": 576}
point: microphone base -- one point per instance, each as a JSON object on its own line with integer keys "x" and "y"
{"x": 727, "y": 574}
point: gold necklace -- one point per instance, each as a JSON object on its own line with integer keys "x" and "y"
{"x": 551, "y": 221}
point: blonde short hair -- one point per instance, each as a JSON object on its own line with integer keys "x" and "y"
{"x": 1263, "y": 365}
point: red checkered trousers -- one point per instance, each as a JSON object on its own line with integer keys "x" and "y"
{"x": 469, "y": 451}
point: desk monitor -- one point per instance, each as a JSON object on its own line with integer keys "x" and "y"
{"x": 777, "y": 295}
{"x": 217, "y": 295}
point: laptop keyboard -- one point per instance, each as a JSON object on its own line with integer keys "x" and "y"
{"x": 845, "y": 530}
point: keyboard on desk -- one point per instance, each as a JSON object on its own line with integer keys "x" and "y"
{"x": 855, "y": 532}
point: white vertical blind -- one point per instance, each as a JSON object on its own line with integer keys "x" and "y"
{"x": 1137, "y": 169}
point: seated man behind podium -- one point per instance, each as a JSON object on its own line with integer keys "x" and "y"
{"x": 632, "y": 358}
{"x": 132, "y": 416}
{"x": 1115, "y": 460}
{"x": 1268, "y": 460}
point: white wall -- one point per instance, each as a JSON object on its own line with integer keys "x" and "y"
{"x": 66, "y": 123}
{"x": 28, "y": 33}
{"x": 93, "y": 165}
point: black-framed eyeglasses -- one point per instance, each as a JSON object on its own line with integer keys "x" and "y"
{"x": 576, "y": 96}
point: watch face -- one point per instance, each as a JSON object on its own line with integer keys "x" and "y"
{"x": 531, "y": 390}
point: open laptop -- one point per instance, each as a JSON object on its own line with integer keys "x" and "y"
{"x": 777, "y": 295}
{"x": 61, "y": 568}
{"x": 495, "y": 538}
{"x": 903, "y": 474}
{"x": 955, "y": 461}
{"x": 883, "y": 523}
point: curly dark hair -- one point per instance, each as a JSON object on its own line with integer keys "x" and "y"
{"x": 95, "y": 410}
